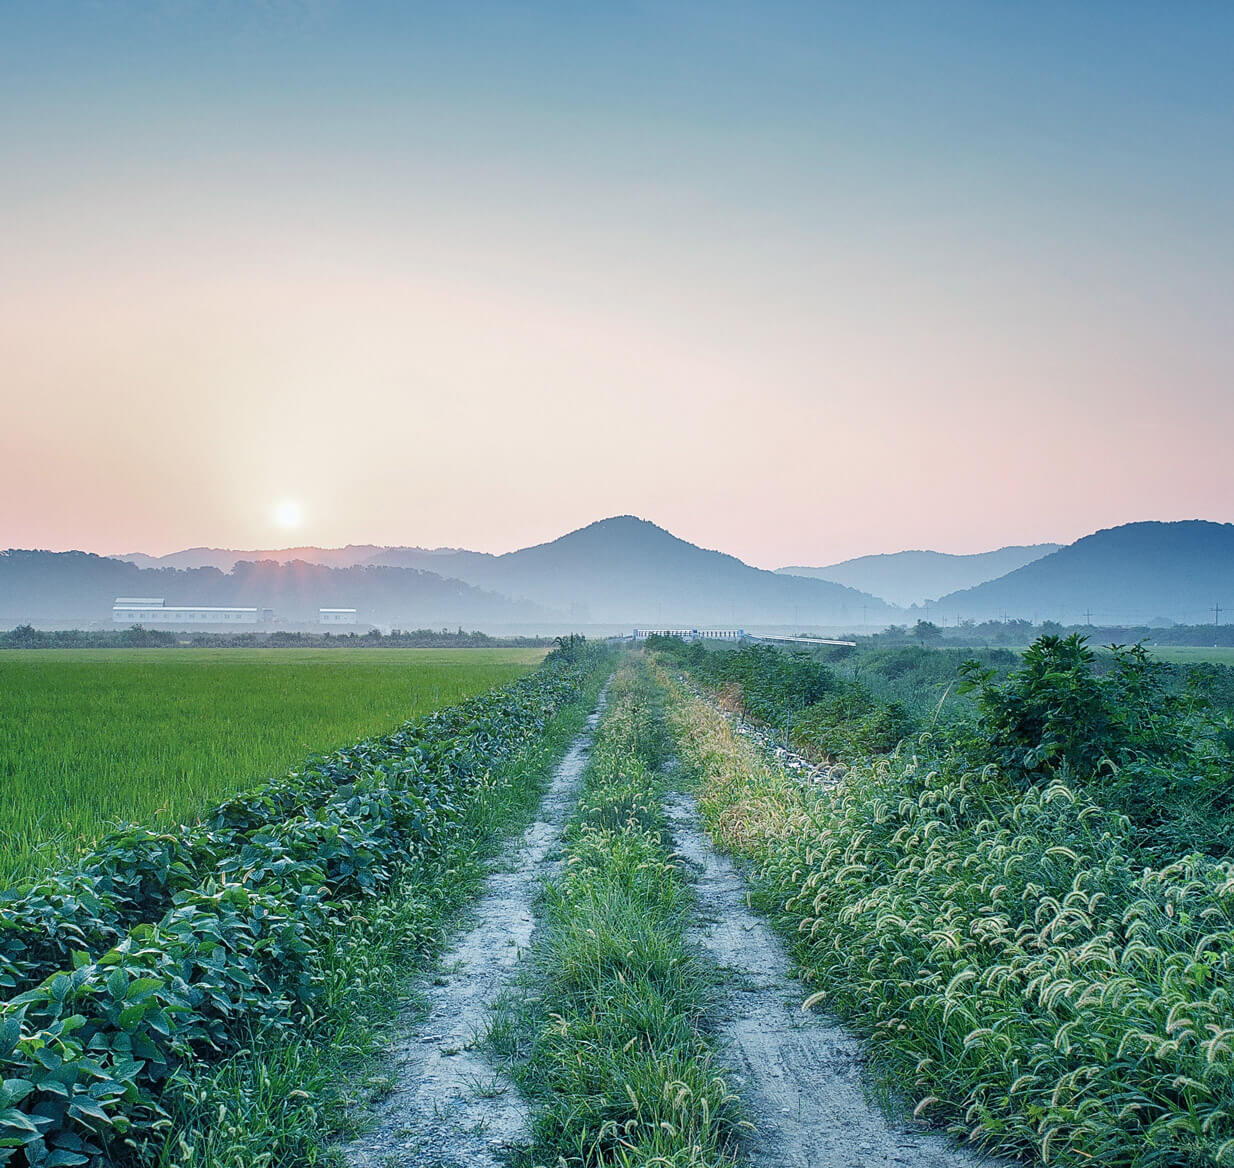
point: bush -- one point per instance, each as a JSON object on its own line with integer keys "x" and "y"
{"x": 1138, "y": 747}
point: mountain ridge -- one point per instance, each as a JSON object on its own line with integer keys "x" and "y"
{"x": 226, "y": 558}
{"x": 617, "y": 571}
{"x": 39, "y": 586}
{"x": 624, "y": 568}
{"x": 917, "y": 575}
{"x": 1130, "y": 574}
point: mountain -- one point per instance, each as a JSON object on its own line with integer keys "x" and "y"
{"x": 620, "y": 571}
{"x": 912, "y": 577}
{"x": 1132, "y": 574}
{"x": 72, "y": 588}
{"x": 225, "y": 558}
{"x": 626, "y": 570}
{"x": 455, "y": 562}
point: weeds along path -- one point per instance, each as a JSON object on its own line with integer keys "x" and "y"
{"x": 800, "y": 1076}
{"x": 448, "y": 1106}
{"x": 609, "y": 1037}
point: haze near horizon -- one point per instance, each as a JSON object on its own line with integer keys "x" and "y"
{"x": 802, "y": 283}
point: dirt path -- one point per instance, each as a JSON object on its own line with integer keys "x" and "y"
{"x": 449, "y": 1107}
{"x": 800, "y": 1076}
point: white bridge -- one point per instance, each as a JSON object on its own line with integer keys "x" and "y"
{"x": 691, "y": 634}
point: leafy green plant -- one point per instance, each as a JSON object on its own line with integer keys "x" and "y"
{"x": 1141, "y": 748}
{"x": 88, "y": 1049}
{"x": 821, "y": 714}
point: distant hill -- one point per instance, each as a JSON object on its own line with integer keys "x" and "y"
{"x": 620, "y": 571}
{"x": 456, "y": 562}
{"x": 226, "y": 558}
{"x": 628, "y": 570}
{"x": 71, "y": 588}
{"x": 912, "y": 577}
{"x": 1123, "y": 575}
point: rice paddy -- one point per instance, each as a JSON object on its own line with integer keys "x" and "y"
{"x": 1193, "y": 654}
{"x": 91, "y": 737}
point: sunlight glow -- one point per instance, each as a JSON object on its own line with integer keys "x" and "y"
{"x": 287, "y": 513}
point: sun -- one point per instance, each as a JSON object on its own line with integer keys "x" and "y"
{"x": 287, "y": 513}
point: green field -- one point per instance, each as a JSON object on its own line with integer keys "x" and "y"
{"x": 1193, "y": 654}
{"x": 93, "y": 736}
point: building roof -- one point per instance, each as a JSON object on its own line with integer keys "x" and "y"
{"x": 144, "y": 601}
{"x": 185, "y": 607}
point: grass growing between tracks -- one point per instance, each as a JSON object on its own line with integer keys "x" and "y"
{"x": 610, "y": 1043}
{"x": 287, "y": 1097}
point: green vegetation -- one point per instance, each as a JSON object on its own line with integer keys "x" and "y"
{"x": 93, "y": 737}
{"x": 1028, "y": 910}
{"x": 1021, "y": 892}
{"x": 1138, "y": 749}
{"x": 1019, "y": 633}
{"x": 608, "y": 1038}
{"x": 1189, "y": 654}
{"x": 138, "y": 637}
{"x": 842, "y": 704}
{"x": 852, "y": 706}
{"x": 287, "y": 1095}
{"x": 243, "y": 938}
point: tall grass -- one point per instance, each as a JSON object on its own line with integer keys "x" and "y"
{"x": 91, "y": 737}
{"x": 1014, "y": 971}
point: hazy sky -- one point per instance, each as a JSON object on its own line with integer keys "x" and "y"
{"x": 799, "y": 281}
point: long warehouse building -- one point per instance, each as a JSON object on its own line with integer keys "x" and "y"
{"x": 154, "y": 610}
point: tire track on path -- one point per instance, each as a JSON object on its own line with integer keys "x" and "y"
{"x": 449, "y": 1105}
{"x": 801, "y": 1077}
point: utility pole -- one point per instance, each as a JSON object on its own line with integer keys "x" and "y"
{"x": 1088, "y": 617}
{"x": 1216, "y": 615}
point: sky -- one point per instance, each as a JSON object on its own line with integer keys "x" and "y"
{"x": 796, "y": 281}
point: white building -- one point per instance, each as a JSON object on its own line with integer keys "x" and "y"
{"x": 154, "y": 610}
{"x": 337, "y": 616}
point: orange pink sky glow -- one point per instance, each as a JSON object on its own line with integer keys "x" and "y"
{"x": 800, "y": 282}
